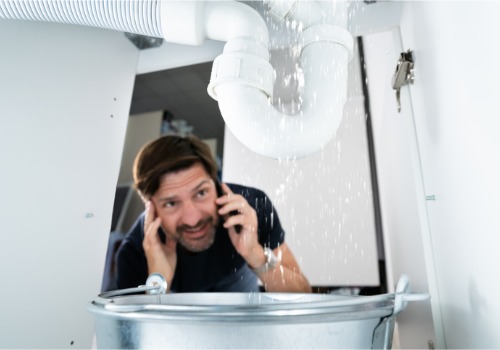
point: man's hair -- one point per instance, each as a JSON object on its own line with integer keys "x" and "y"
{"x": 169, "y": 154}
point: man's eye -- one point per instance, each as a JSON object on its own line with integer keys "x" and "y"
{"x": 169, "y": 204}
{"x": 202, "y": 193}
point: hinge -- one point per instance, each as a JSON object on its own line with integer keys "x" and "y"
{"x": 403, "y": 75}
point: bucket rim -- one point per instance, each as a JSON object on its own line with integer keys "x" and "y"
{"x": 259, "y": 306}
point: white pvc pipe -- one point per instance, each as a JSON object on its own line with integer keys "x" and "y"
{"x": 240, "y": 85}
{"x": 226, "y": 20}
{"x": 258, "y": 125}
{"x": 242, "y": 77}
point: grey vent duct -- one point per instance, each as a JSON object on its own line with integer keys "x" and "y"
{"x": 138, "y": 17}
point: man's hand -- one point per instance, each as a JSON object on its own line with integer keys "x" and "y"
{"x": 242, "y": 225}
{"x": 287, "y": 277}
{"x": 161, "y": 258}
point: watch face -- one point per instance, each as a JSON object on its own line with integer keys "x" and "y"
{"x": 271, "y": 259}
{"x": 268, "y": 254}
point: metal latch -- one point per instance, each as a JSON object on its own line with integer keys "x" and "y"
{"x": 403, "y": 75}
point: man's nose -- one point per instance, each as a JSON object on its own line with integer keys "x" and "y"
{"x": 191, "y": 214}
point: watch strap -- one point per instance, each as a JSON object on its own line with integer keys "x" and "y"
{"x": 271, "y": 261}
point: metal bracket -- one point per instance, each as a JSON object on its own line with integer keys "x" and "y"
{"x": 403, "y": 75}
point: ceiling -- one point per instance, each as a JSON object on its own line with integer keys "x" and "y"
{"x": 182, "y": 92}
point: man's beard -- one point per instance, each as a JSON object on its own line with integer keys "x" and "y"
{"x": 200, "y": 245}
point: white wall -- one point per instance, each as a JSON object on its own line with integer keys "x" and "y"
{"x": 65, "y": 94}
{"x": 401, "y": 192}
{"x": 324, "y": 201}
{"x": 455, "y": 107}
{"x": 454, "y": 102}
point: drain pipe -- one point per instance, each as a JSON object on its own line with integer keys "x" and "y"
{"x": 242, "y": 82}
{"x": 242, "y": 77}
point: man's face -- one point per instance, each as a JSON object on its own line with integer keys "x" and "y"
{"x": 185, "y": 203}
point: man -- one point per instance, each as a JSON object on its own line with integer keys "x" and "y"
{"x": 202, "y": 236}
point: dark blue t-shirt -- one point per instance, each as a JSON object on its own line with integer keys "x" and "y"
{"x": 217, "y": 269}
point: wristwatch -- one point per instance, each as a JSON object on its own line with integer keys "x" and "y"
{"x": 271, "y": 261}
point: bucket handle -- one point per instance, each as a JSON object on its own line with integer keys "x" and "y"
{"x": 402, "y": 295}
{"x": 383, "y": 333}
{"x": 155, "y": 284}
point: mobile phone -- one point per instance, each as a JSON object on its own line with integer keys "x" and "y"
{"x": 162, "y": 235}
{"x": 218, "y": 187}
{"x": 220, "y": 193}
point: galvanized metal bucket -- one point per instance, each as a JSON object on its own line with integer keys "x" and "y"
{"x": 247, "y": 321}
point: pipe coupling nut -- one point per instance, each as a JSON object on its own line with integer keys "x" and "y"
{"x": 244, "y": 69}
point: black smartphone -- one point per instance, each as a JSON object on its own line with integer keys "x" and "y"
{"x": 218, "y": 187}
{"x": 220, "y": 193}
{"x": 162, "y": 235}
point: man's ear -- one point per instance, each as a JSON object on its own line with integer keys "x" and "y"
{"x": 144, "y": 198}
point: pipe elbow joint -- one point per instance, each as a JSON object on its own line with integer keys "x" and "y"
{"x": 228, "y": 20}
{"x": 305, "y": 12}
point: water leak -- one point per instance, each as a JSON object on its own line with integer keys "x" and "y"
{"x": 324, "y": 201}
